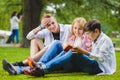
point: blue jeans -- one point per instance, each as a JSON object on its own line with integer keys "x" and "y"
{"x": 79, "y": 62}
{"x": 15, "y": 32}
{"x": 56, "y": 58}
{"x": 54, "y": 49}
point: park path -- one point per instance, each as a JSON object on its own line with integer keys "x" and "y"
{"x": 11, "y": 45}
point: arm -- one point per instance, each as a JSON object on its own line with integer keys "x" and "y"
{"x": 80, "y": 50}
{"x": 32, "y": 33}
{"x": 16, "y": 19}
{"x": 104, "y": 52}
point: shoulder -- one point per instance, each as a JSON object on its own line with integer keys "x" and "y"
{"x": 45, "y": 31}
{"x": 106, "y": 39}
{"x": 64, "y": 27}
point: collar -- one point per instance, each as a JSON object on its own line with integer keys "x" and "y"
{"x": 61, "y": 27}
{"x": 98, "y": 37}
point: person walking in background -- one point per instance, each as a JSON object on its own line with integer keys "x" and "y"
{"x": 14, "y": 23}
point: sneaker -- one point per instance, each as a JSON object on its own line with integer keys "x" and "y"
{"x": 18, "y": 64}
{"x": 36, "y": 71}
{"x": 8, "y": 67}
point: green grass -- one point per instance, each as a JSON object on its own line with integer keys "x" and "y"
{"x": 13, "y": 54}
{"x": 116, "y": 41}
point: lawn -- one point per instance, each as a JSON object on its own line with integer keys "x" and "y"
{"x": 13, "y": 54}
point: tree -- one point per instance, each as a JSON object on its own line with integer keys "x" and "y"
{"x": 31, "y": 17}
{"x": 32, "y": 9}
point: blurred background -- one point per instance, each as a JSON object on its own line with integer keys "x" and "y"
{"x": 107, "y": 11}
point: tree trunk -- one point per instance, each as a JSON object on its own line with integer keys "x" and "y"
{"x": 31, "y": 18}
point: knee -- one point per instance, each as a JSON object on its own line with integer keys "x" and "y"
{"x": 57, "y": 42}
{"x": 34, "y": 40}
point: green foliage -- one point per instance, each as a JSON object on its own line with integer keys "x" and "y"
{"x": 14, "y": 54}
{"x": 90, "y": 9}
{"x": 107, "y": 11}
{"x": 6, "y": 9}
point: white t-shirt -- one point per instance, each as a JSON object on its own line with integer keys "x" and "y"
{"x": 14, "y": 22}
{"x": 78, "y": 42}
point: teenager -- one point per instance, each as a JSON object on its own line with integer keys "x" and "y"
{"x": 101, "y": 60}
{"x": 49, "y": 30}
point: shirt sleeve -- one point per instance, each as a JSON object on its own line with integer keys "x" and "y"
{"x": 40, "y": 34}
{"x": 30, "y": 35}
{"x": 103, "y": 52}
{"x": 16, "y": 19}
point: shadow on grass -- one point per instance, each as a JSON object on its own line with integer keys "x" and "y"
{"x": 59, "y": 75}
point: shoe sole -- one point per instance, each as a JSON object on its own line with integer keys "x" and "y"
{"x": 8, "y": 67}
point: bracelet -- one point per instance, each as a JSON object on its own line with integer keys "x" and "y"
{"x": 41, "y": 27}
{"x": 88, "y": 54}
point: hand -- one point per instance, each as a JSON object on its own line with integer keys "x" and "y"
{"x": 66, "y": 45}
{"x": 75, "y": 50}
{"x": 36, "y": 30}
{"x": 78, "y": 50}
{"x": 45, "y": 22}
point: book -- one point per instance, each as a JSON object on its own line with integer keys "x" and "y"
{"x": 68, "y": 47}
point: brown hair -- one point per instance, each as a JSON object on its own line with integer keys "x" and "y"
{"x": 47, "y": 16}
{"x": 92, "y": 25}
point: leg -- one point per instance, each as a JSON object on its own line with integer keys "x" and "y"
{"x": 37, "y": 56}
{"x": 35, "y": 46}
{"x": 54, "y": 49}
{"x": 83, "y": 63}
{"x": 14, "y": 70}
{"x": 13, "y": 35}
{"x": 17, "y": 35}
{"x": 59, "y": 61}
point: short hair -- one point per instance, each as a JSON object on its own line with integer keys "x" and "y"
{"x": 47, "y": 16}
{"x": 92, "y": 25}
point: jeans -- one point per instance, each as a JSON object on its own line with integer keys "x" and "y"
{"x": 15, "y": 32}
{"x": 54, "y": 49}
{"x": 56, "y": 58}
{"x": 83, "y": 63}
{"x": 79, "y": 62}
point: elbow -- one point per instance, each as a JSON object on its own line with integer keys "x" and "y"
{"x": 28, "y": 37}
{"x": 97, "y": 58}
